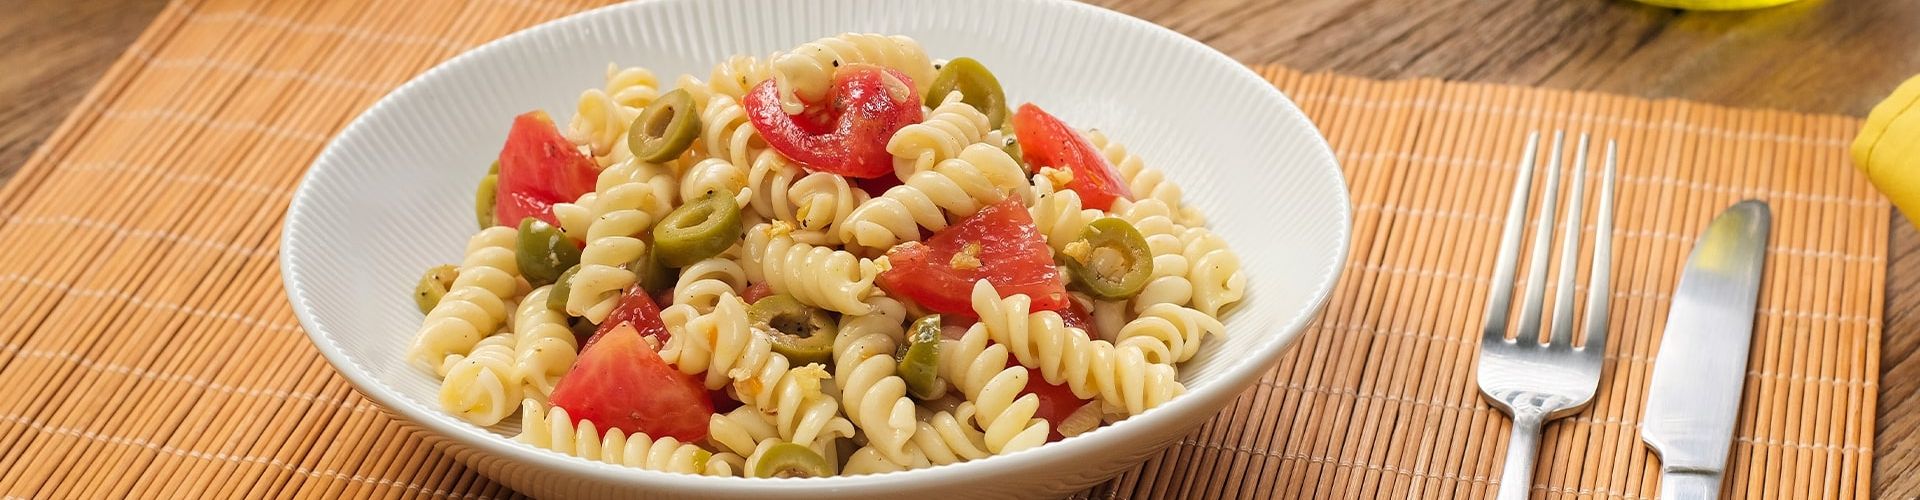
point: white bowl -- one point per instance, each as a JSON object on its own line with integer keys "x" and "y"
{"x": 392, "y": 195}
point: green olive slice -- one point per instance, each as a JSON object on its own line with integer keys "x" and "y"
{"x": 543, "y": 252}
{"x": 582, "y": 329}
{"x": 803, "y": 334}
{"x": 562, "y": 287}
{"x": 699, "y": 229}
{"x": 654, "y": 276}
{"x": 433, "y": 285}
{"x": 1011, "y": 145}
{"x": 977, "y": 87}
{"x": 484, "y": 199}
{"x": 791, "y": 460}
{"x": 665, "y": 129}
{"x": 1111, "y": 259}
{"x": 920, "y": 363}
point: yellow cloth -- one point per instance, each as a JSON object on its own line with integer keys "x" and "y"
{"x": 1888, "y": 149}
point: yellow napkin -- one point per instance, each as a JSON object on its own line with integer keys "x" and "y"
{"x": 1888, "y": 149}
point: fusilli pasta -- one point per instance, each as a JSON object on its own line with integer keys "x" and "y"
{"x": 1145, "y": 182}
{"x": 1214, "y": 270}
{"x": 551, "y": 428}
{"x": 1057, "y": 212}
{"x": 482, "y": 386}
{"x": 544, "y": 348}
{"x": 628, "y": 198}
{"x": 875, "y": 398}
{"x": 980, "y": 372}
{"x": 1120, "y": 375}
{"x": 947, "y": 129}
{"x": 957, "y": 187}
{"x": 703, "y": 283}
{"x": 814, "y": 275}
{"x": 721, "y": 345}
{"x": 804, "y": 74}
{"x": 1168, "y": 333}
{"x": 474, "y": 306}
{"x": 726, "y": 133}
{"x": 602, "y": 116}
{"x": 1169, "y": 283}
{"x": 739, "y": 74}
{"x": 716, "y": 176}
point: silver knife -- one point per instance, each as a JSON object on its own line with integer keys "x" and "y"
{"x": 1694, "y": 396}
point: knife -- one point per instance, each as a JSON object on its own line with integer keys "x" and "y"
{"x": 1694, "y": 396}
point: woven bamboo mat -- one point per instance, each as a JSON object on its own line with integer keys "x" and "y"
{"x": 149, "y": 352}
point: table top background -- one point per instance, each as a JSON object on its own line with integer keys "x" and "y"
{"x": 1820, "y": 56}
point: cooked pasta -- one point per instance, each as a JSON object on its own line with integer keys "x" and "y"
{"x": 814, "y": 275}
{"x": 551, "y": 428}
{"x": 804, "y": 74}
{"x": 474, "y": 306}
{"x": 734, "y": 299}
{"x": 628, "y": 198}
{"x": 1214, "y": 270}
{"x": 1120, "y": 376}
{"x": 482, "y": 386}
{"x": 957, "y": 187}
{"x": 953, "y": 125}
{"x": 544, "y": 348}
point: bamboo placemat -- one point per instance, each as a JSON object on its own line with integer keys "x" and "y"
{"x": 149, "y": 352}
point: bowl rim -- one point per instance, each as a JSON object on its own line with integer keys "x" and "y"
{"x": 1136, "y": 428}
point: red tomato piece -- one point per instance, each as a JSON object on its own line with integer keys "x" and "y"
{"x": 848, "y": 134}
{"x": 1056, "y": 401}
{"x": 538, "y": 168}
{"x": 619, "y": 383}
{"x": 1046, "y": 141}
{"x": 999, "y": 244}
{"x": 879, "y": 185}
{"x": 638, "y": 309}
{"x": 756, "y": 291}
{"x": 1078, "y": 317}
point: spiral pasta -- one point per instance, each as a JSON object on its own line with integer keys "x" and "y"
{"x": 804, "y": 74}
{"x": 722, "y": 346}
{"x": 726, "y": 132}
{"x": 980, "y": 372}
{"x": 947, "y": 129}
{"x": 544, "y": 348}
{"x": 628, "y": 198}
{"x": 874, "y": 397}
{"x": 957, "y": 187}
{"x": 1168, "y": 333}
{"x": 703, "y": 283}
{"x": 602, "y": 116}
{"x": 1169, "y": 283}
{"x": 942, "y": 438}
{"x": 1121, "y": 376}
{"x": 1215, "y": 271}
{"x": 1058, "y": 212}
{"x": 814, "y": 275}
{"x": 822, "y": 203}
{"x": 551, "y": 428}
{"x": 715, "y": 176}
{"x": 1145, "y": 182}
{"x": 474, "y": 306}
{"x": 739, "y": 74}
{"x": 482, "y": 387}
{"x": 771, "y": 177}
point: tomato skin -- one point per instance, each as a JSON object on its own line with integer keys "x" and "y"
{"x": 1005, "y": 250}
{"x": 1046, "y": 141}
{"x": 538, "y": 168}
{"x": 1056, "y": 401}
{"x": 1076, "y": 316}
{"x": 755, "y": 292}
{"x": 848, "y": 134}
{"x": 638, "y": 309}
{"x": 620, "y": 383}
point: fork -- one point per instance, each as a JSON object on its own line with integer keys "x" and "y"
{"x": 1530, "y": 381}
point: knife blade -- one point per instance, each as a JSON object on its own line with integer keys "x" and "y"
{"x": 1693, "y": 397}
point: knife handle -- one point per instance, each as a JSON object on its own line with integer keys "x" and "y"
{"x": 1689, "y": 484}
{"x": 1523, "y": 446}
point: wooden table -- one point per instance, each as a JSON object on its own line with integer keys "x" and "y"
{"x": 1826, "y": 56}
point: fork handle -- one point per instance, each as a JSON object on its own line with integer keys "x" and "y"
{"x": 1516, "y": 479}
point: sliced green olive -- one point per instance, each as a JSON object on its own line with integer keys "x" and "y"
{"x": 1110, "y": 260}
{"x": 977, "y": 87}
{"x": 665, "y": 129}
{"x": 1011, "y": 145}
{"x": 920, "y": 361}
{"x": 699, "y": 229}
{"x": 803, "y": 334}
{"x": 562, "y": 287}
{"x": 791, "y": 460}
{"x": 543, "y": 252}
{"x": 654, "y": 277}
{"x": 484, "y": 199}
{"x": 434, "y": 285}
{"x": 582, "y": 329}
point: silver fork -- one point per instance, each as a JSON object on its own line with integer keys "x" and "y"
{"x": 1530, "y": 381}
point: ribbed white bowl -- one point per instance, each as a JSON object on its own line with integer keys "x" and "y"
{"x": 392, "y": 195}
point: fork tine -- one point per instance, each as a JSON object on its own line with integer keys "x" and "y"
{"x": 1562, "y": 327}
{"x": 1529, "y": 328}
{"x": 1500, "y": 299}
{"x": 1598, "y": 293}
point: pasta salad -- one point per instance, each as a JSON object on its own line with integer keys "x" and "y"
{"x": 846, "y": 258}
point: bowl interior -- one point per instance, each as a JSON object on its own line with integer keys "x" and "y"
{"x": 393, "y": 194}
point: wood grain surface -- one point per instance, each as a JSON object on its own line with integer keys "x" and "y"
{"x": 1826, "y": 56}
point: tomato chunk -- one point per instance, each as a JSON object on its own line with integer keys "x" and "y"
{"x": 619, "y": 383}
{"x": 1056, "y": 401}
{"x": 538, "y": 168}
{"x": 756, "y": 291}
{"x": 999, "y": 244}
{"x": 638, "y": 310}
{"x": 1078, "y": 317}
{"x": 1046, "y": 141}
{"x": 847, "y": 134}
